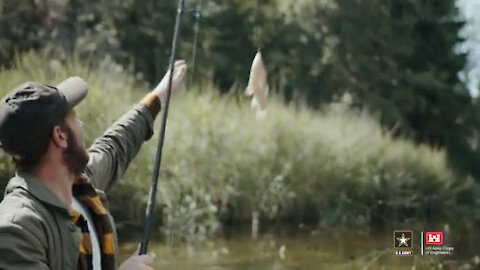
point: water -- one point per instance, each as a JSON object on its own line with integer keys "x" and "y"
{"x": 343, "y": 250}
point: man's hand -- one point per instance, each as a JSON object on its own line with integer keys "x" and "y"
{"x": 179, "y": 73}
{"x": 138, "y": 262}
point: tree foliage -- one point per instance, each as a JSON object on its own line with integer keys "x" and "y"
{"x": 395, "y": 57}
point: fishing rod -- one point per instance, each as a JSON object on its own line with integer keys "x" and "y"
{"x": 158, "y": 156}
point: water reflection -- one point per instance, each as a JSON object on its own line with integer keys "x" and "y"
{"x": 345, "y": 250}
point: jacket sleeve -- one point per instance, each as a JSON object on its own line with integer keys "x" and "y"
{"x": 21, "y": 246}
{"x": 110, "y": 154}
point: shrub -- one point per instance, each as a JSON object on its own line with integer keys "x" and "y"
{"x": 222, "y": 165}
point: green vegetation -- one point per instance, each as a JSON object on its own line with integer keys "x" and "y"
{"x": 395, "y": 57}
{"x": 335, "y": 167}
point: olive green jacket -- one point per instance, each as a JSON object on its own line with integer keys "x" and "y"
{"x": 36, "y": 231}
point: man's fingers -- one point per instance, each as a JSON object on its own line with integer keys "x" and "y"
{"x": 180, "y": 68}
{"x": 179, "y": 75}
{"x": 146, "y": 259}
{"x": 180, "y": 71}
{"x": 180, "y": 65}
{"x": 176, "y": 65}
{"x": 179, "y": 62}
{"x": 138, "y": 262}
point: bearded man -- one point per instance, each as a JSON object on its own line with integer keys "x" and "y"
{"x": 54, "y": 215}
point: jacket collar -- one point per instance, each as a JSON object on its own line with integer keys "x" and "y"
{"x": 33, "y": 186}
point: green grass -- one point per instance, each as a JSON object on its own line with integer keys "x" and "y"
{"x": 330, "y": 168}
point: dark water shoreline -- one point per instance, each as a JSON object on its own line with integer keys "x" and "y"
{"x": 292, "y": 247}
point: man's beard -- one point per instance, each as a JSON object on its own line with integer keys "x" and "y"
{"x": 74, "y": 157}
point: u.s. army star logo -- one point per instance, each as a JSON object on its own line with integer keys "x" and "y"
{"x": 403, "y": 242}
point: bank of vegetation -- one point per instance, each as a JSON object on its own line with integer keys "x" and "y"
{"x": 330, "y": 168}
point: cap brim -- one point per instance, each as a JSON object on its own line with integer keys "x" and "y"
{"x": 74, "y": 89}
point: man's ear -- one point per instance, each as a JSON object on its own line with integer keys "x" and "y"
{"x": 59, "y": 137}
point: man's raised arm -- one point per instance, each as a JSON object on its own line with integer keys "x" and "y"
{"x": 110, "y": 155}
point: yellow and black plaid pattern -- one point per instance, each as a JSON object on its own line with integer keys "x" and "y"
{"x": 86, "y": 195}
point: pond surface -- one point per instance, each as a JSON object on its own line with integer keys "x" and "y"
{"x": 345, "y": 250}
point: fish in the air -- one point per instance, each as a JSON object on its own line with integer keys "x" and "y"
{"x": 257, "y": 84}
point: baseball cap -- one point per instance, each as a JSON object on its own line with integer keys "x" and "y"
{"x": 29, "y": 112}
